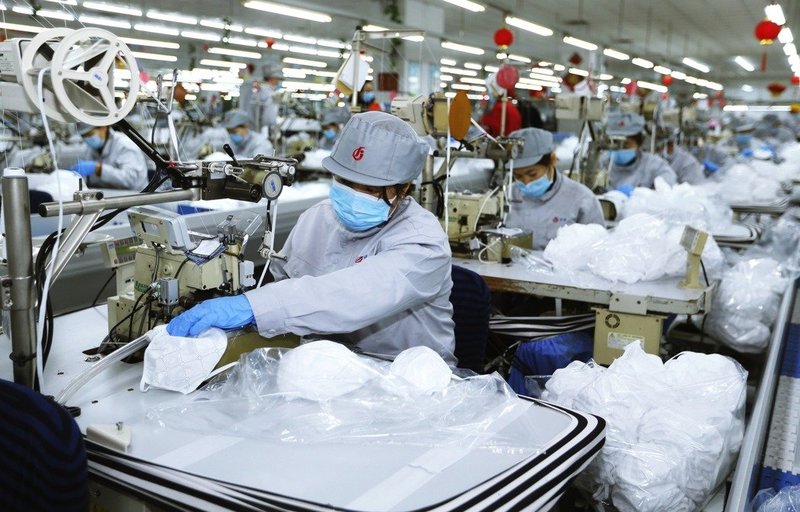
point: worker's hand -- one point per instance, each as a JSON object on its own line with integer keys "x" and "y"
{"x": 710, "y": 166}
{"x": 625, "y": 189}
{"x": 84, "y": 167}
{"x": 746, "y": 152}
{"x": 223, "y": 312}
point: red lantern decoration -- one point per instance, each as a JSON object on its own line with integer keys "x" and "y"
{"x": 507, "y": 77}
{"x": 795, "y": 80}
{"x": 776, "y": 88}
{"x": 766, "y": 31}
{"x": 575, "y": 59}
{"x": 503, "y": 37}
{"x": 666, "y": 80}
{"x": 270, "y": 42}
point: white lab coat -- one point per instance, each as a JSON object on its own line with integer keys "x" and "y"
{"x": 254, "y": 144}
{"x": 124, "y": 164}
{"x": 384, "y": 290}
{"x": 642, "y": 172}
{"x": 264, "y": 100}
{"x": 686, "y": 167}
{"x": 567, "y": 202}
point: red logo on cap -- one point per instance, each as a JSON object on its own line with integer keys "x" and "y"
{"x": 358, "y": 153}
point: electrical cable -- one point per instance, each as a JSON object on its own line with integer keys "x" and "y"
{"x": 100, "y": 291}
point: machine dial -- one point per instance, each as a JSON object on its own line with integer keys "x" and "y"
{"x": 273, "y": 185}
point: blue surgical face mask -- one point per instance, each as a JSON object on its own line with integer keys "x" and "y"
{"x": 94, "y": 142}
{"x": 356, "y": 210}
{"x": 623, "y": 156}
{"x": 743, "y": 139}
{"x": 237, "y": 138}
{"x": 329, "y": 133}
{"x": 535, "y": 188}
{"x": 368, "y": 96}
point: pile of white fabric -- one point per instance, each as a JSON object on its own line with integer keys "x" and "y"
{"x": 746, "y": 304}
{"x": 641, "y": 248}
{"x": 682, "y": 204}
{"x": 673, "y": 429}
{"x": 743, "y": 183}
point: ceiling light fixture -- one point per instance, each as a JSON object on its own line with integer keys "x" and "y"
{"x": 285, "y": 10}
{"x": 149, "y": 42}
{"x": 680, "y": 75}
{"x": 21, "y": 9}
{"x": 642, "y": 63}
{"x": 55, "y": 14}
{"x": 471, "y": 65}
{"x": 203, "y": 36}
{"x": 466, "y": 4}
{"x": 263, "y": 32}
{"x": 234, "y": 53}
{"x": 651, "y": 86}
{"x": 614, "y": 54}
{"x": 222, "y": 63}
{"x": 220, "y": 25}
{"x": 447, "y": 62}
{"x": 106, "y": 22}
{"x": 580, "y": 43}
{"x": 175, "y": 18}
{"x": 774, "y": 13}
{"x": 449, "y": 45}
{"x": 579, "y": 72}
{"x": 300, "y": 39}
{"x": 527, "y": 25}
{"x": 155, "y": 56}
{"x": 519, "y": 58}
{"x": 747, "y": 88}
{"x": 491, "y": 69}
{"x": 22, "y": 28}
{"x": 116, "y": 9}
{"x": 786, "y": 36}
{"x": 156, "y": 29}
{"x": 744, "y": 63}
{"x": 789, "y": 49}
{"x": 699, "y": 66}
{"x": 305, "y": 62}
{"x": 662, "y": 70}
{"x": 241, "y": 41}
{"x": 456, "y": 71}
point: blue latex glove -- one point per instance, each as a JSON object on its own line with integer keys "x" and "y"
{"x": 223, "y": 312}
{"x": 625, "y": 189}
{"x": 84, "y": 167}
{"x": 710, "y": 166}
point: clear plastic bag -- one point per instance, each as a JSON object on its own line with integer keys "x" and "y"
{"x": 673, "y": 429}
{"x": 785, "y": 500}
{"x": 321, "y": 392}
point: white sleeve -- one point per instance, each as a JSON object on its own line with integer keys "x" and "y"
{"x": 352, "y": 298}
{"x": 124, "y": 167}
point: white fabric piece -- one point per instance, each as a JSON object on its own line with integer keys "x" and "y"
{"x": 322, "y": 370}
{"x": 741, "y": 183}
{"x": 746, "y": 304}
{"x": 672, "y": 430}
{"x": 641, "y": 248}
{"x": 176, "y": 363}
{"x": 423, "y": 368}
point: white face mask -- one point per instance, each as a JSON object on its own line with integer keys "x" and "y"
{"x": 181, "y": 364}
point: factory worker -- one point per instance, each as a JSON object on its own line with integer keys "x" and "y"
{"x": 111, "y": 159}
{"x": 366, "y": 97}
{"x": 543, "y": 199}
{"x": 245, "y": 142}
{"x": 368, "y": 266}
{"x": 330, "y": 133}
{"x": 262, "y": 99}
{"x": 631, "y": 167}
{"x": 687, "y": 168}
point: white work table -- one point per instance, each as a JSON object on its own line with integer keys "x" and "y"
{"x": 219, "y": 472}
{"x": 659, "y": 296}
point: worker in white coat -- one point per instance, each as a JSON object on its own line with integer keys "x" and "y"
{"x": 111, "y": 160}
{"x": 261, "y": 99}
{"x": 630, "y": 166}
{"x": 246, "y": 142}
{"x": 687, "y": 168}
{"x": 368, "y": 266}
{"x": 542, "y": 199}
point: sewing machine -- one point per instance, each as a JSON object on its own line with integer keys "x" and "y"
{"x": 174, "y": 269}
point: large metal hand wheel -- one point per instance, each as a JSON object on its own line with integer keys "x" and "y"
{"x": 33, "y": 61}
{"x": 68, "y": 68}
